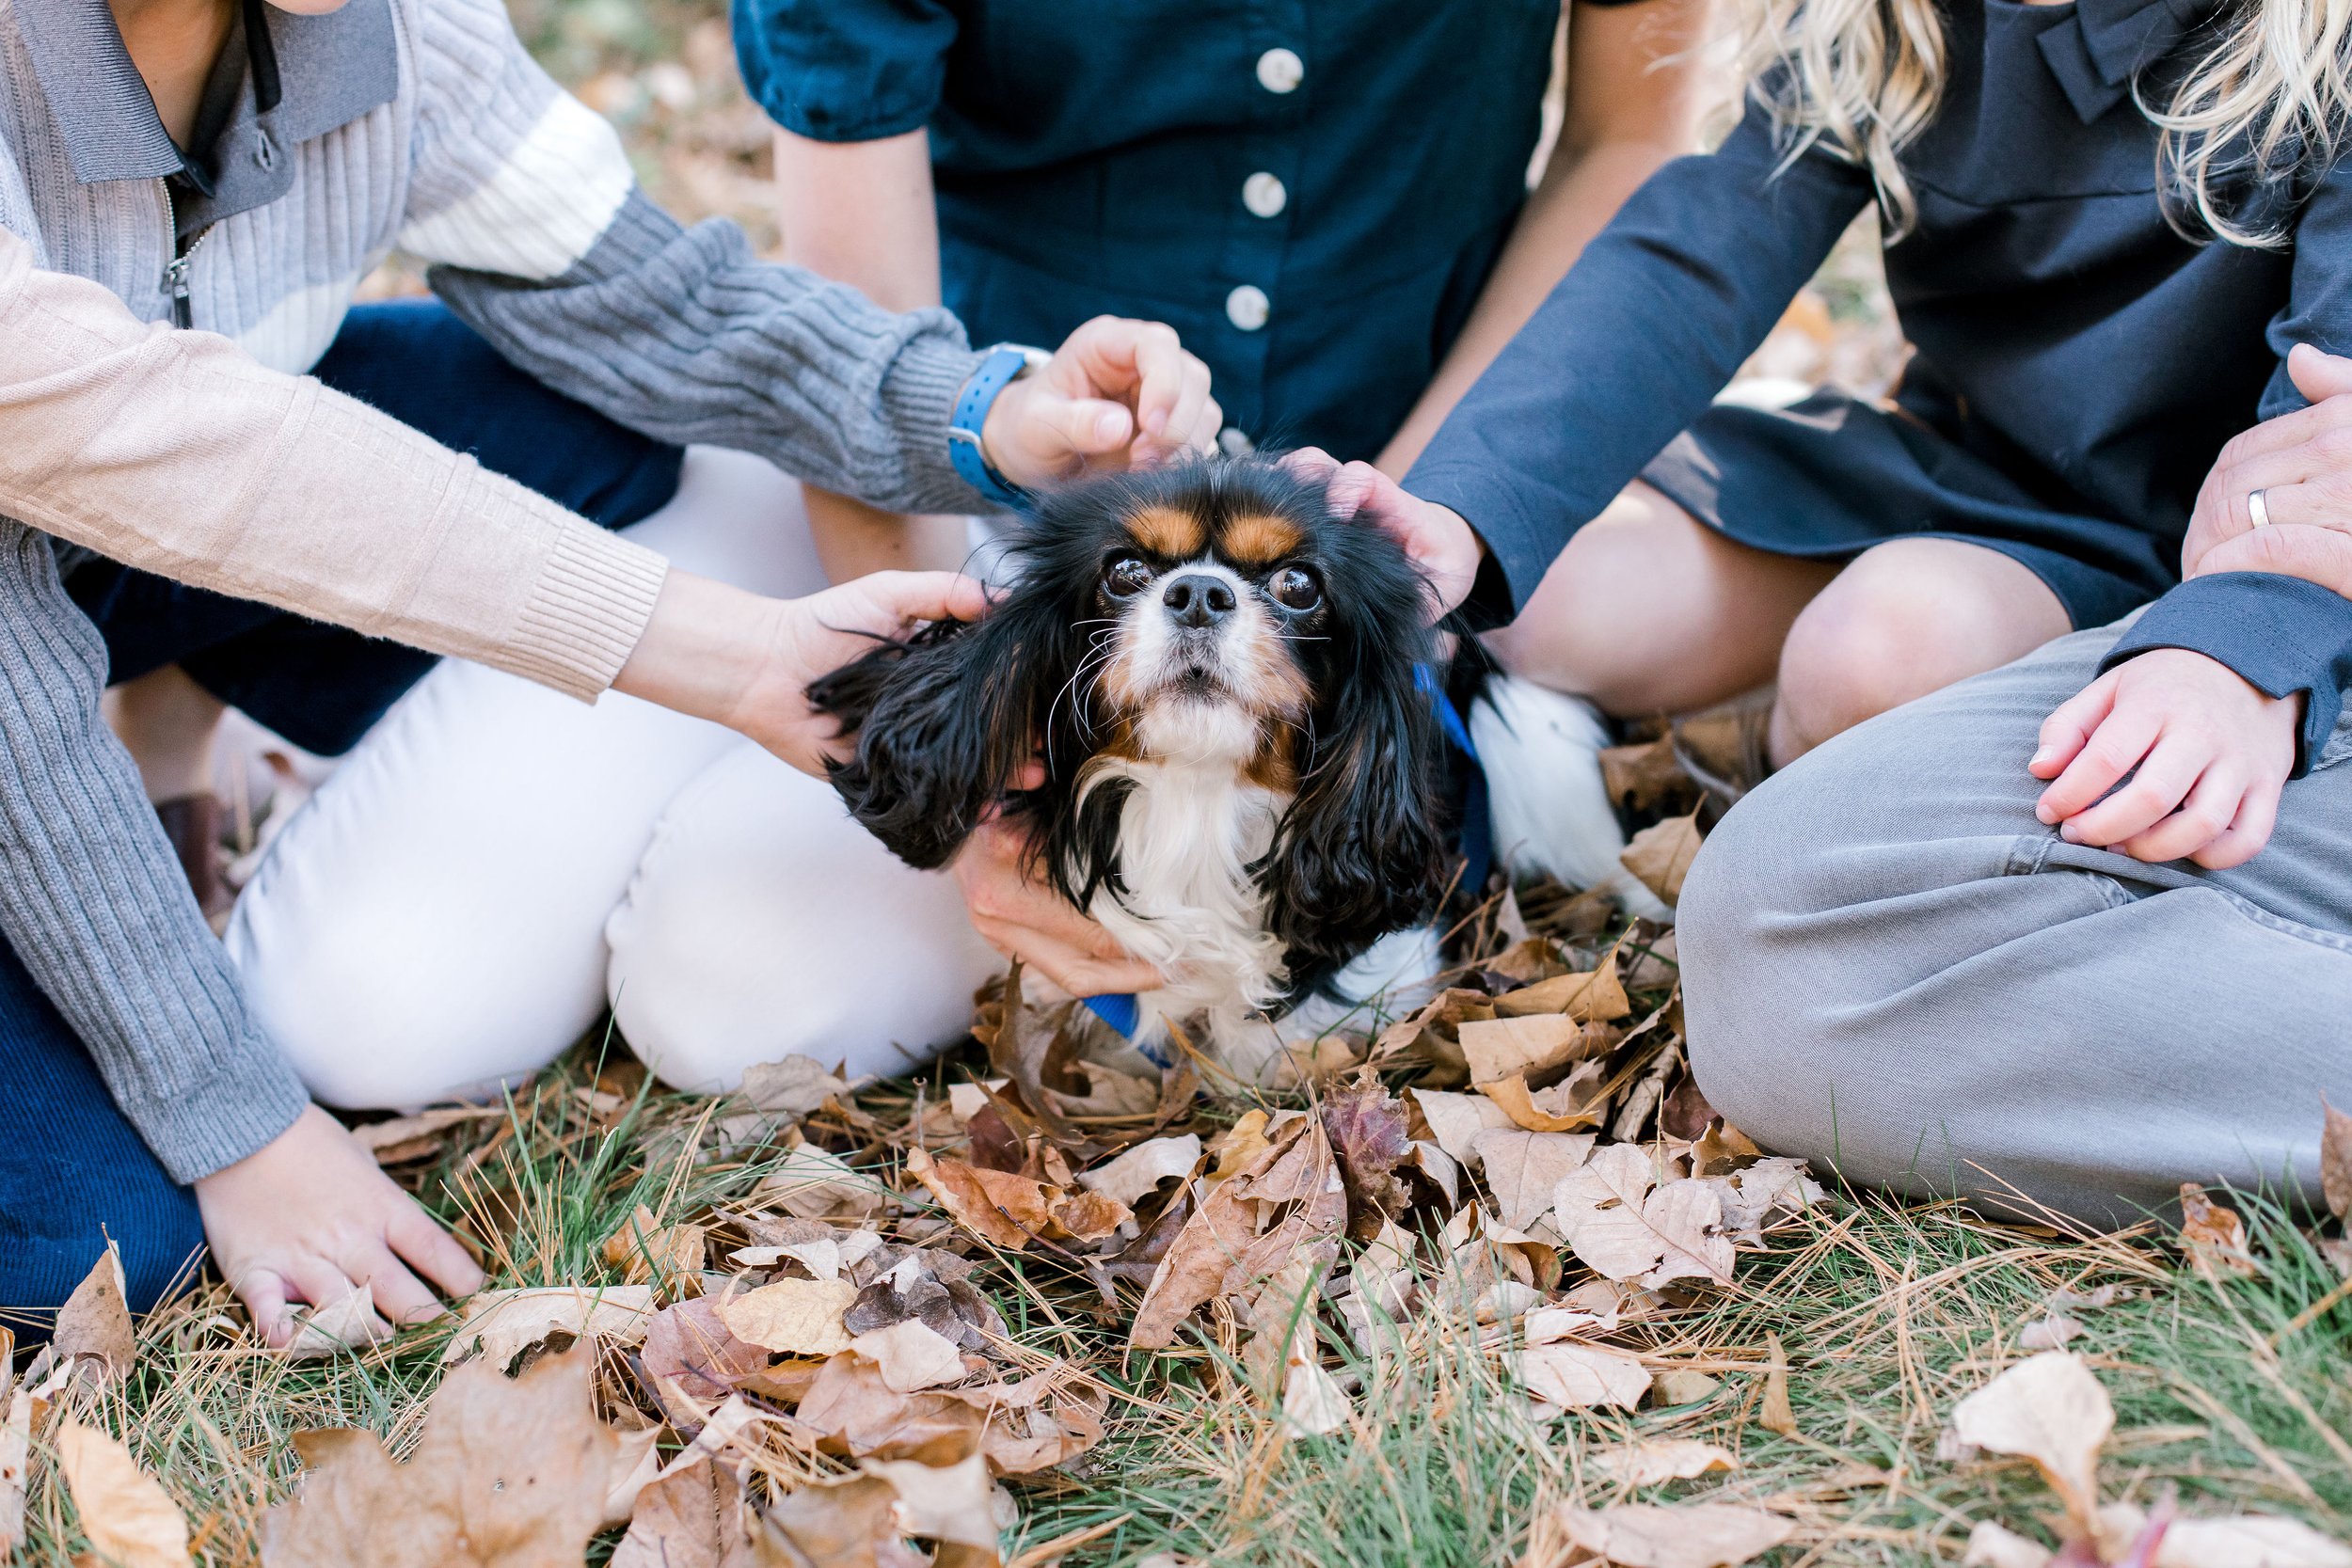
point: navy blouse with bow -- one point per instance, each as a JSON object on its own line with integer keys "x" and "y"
{"x": 2067, "y": 331}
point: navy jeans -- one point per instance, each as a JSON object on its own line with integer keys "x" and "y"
{"x": 72, "y": 1172}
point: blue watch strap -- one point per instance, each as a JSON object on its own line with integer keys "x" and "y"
{"x": 1003, "y": 366}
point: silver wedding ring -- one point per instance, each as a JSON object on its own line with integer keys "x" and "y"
{"x": 2258, "y": 508}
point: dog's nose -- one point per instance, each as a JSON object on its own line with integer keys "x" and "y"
{"x": 1198, "y": 599}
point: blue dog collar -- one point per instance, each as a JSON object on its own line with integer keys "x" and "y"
{"x": 1003, "y": 365}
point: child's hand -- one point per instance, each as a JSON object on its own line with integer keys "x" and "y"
{"x": 1117, "y": 394}
{"x": 309, "y": 1215}
{"x": 1445, "y": 547}
{"x": 2212, "y": 753}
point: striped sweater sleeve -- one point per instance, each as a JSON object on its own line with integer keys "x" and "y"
{"x": 524, "y": 199}
{"x": 95, "y": 906}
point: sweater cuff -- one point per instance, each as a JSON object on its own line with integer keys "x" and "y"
{"x": 2282, "y": 634}
{"x": 586, "y": 611}
{"x": 918, "y": 397}
{"x": 1517, "y": 544}
{"x": 215, "y": 1122}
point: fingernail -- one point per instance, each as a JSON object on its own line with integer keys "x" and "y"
{"x": 1107, "y": 426}
{"x": 1156, "y": 421}
{"x": 2045, "y": 815}
{"x": 2071, "y": 833}
{"x": 2045, "y": 754}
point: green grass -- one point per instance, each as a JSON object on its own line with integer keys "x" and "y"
{"x": 1888, "y": 1314}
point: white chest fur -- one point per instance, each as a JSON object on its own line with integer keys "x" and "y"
{"x": 1189, "y": 830}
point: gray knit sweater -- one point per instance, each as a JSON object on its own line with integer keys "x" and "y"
{"x": 417, "y": 122}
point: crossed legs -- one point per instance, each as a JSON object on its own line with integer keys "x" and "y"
{"x": 1649, "y": 611}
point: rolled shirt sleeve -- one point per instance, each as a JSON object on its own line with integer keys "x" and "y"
{"x": 845, "y": 71}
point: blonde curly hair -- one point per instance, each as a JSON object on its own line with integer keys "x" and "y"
{"x": 2272, "y": 92}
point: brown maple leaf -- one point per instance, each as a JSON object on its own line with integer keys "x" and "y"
{"x": 508, "y": 1474}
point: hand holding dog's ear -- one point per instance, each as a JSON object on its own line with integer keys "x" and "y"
{"x": 719, "y": 653}
{"x": 1441, "y": 543}
{"x": 1119, "y": 394}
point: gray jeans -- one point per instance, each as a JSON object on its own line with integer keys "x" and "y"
{"x": 1892, "y": 968}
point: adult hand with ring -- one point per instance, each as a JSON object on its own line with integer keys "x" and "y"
{"x": 2294, "y": 471}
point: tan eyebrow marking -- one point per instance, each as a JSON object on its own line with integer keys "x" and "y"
{"x": 1261, "y": 538}
{"x": 1166, "y": 531}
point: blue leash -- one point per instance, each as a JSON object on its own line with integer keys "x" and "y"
{"x": 1125, "y": 1014}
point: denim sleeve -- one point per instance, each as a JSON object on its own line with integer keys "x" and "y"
{"x": 1654, "y": 319}
{"x": 2283, "y": 634}
{"x": 844, "y": 70}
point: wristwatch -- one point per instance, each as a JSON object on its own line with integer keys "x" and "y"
{"x": 1000, "y": 367}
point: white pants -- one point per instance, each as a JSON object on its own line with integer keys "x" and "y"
{"x": 495, "y": 863}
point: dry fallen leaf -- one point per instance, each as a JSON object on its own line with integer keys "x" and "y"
{"x": 2212, "y": 1235}
{"x": 334, "y": 1328}
{"x": 1653, "y": 1461}
{"x": 1661, "y": 856}
{"x": 508, "y": 1474}
{"x": 691, "y": 1344}
{"x": 1775, "y": 1414}
{"x": 1287, "y": 1205}
{"x": 801, "y": 1317}
{"x": 2245, "y": 1540}
{"x": 1623, "y": 1225}
{"x": 1591, "y": 996}
{"x": 1500, "y": 1047}
{"x": 813, "y": 1183}
{"x": 1365, "y": 1126}
{"x": 1577, "y": 1377}
{"x": 1991, "y": 1547}
{"x": 840, "y": 1523}
{"x": 793, "y": 1087}
{"x": 1646, "y": 776}
{"x": 502, "y": 1324}
{"x": 127, "y": 1516}
{"x": 2050, "y": 1409}
{"x": 2051, "y": 1331}
{"x": 912, "y": 1355}
{"x": 950, "y": 1503}
{"x": 1523, "y": 1169}
{"x": 1140, "y": 1170}
{"x": 648, "y": 1250}
{"x": 691, "y": 1518}
{"x": 93, "y": 1334}
{"x": 1012, "y": 1211}
{"x": 1455, "y": 1120}
{"x": 1679, "y": 1535}
{"x": 1566, "y": 1107}
{"x": 1684, "y": 1387}
{"x": 2335, "y": 1160}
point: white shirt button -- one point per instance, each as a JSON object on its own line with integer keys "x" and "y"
{"x": 1280, "y": 70}
{"x": 1248, "y": 308}
{"x": 1264, "y": 195}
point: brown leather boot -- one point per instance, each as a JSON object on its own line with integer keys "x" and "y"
{"x": 192, "y": 822}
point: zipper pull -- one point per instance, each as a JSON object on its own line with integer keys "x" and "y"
{"x": 176, "y": 285}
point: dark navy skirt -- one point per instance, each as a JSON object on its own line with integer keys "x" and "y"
{"x": 1831, "y": 476}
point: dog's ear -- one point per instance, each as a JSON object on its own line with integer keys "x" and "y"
{"x": 942, "y": 724}
{"x": 1362, "y": 852}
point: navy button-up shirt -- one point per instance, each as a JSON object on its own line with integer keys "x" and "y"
{"x": 1311, "y": 192}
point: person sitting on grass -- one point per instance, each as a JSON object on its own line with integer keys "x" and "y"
{"x": 1343, "y": 233}
{"x": 190, "y": 190}
{"x": 2109, "y": 223}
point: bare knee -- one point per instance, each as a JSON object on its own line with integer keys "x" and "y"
{"x": 1905, "y": 619}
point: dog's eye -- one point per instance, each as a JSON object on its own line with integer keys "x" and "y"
{"x": 1295, "y": 587}
{"x": 1126, "y": 576}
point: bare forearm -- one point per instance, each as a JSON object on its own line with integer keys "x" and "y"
{"x": 862, "y": 213}
{"x": 1557, "y": 223}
